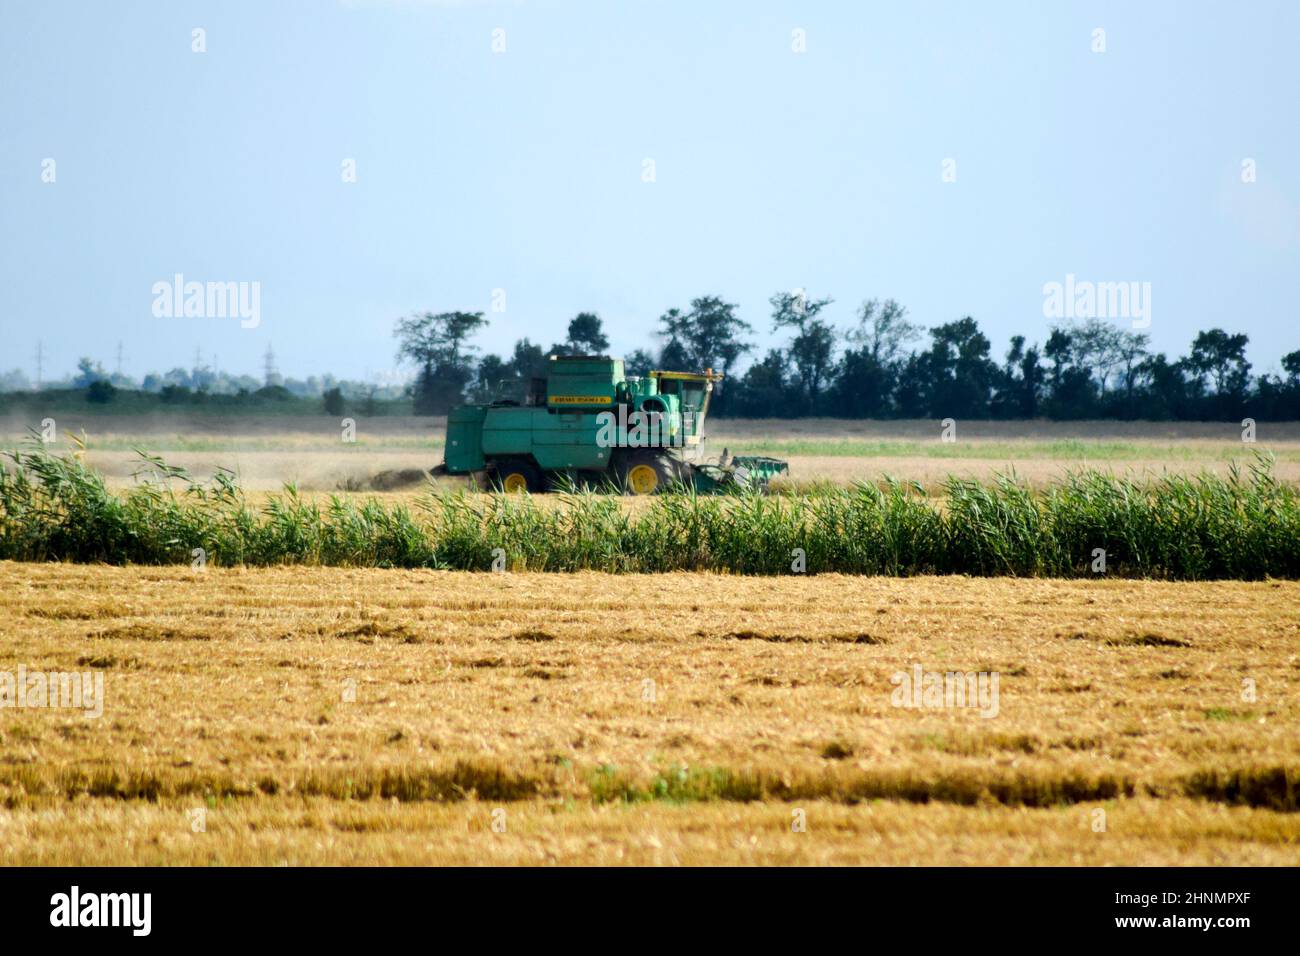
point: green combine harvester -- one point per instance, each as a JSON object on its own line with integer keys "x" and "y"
{"x": 588, "y": 423}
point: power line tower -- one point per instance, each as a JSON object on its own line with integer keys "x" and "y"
{"x": 119, "y": 359}
{"x": 270, "y": 373}
{"x": 40, "y": 358}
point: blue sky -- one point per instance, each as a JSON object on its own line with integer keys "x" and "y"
{"x": 522, "y": 170}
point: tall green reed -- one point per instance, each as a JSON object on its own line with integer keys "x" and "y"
{"x": 1242, "y": 525}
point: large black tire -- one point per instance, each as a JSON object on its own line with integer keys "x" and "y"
{"x": 516, "y": 476}
{"x": 645, "y": 472}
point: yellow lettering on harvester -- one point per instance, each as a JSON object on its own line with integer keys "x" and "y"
{"x": 581, "y": 400}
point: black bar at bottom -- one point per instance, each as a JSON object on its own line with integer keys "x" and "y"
{"x": 333, "y": 906}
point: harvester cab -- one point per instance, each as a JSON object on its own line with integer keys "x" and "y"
{"x": 588, "y": 422}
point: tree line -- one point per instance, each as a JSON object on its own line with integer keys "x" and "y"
{"x": 202, "y": 382}
{"x": 882, "y": 366}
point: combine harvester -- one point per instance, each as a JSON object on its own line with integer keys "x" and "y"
{"x": 587, "y": 423}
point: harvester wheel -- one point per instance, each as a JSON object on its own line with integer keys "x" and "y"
{"x": 516, "y": 477}
{"x": 645, "y": 474}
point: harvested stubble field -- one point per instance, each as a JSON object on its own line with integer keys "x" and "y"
{"x": 323, "y": 715}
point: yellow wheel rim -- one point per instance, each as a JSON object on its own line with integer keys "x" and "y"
{"x": 515, "y": 483}
{"x": 642, "y": 479}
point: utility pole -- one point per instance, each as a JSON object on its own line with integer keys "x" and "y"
{"x": 119, "y": 358}
{"x": 40, "y": 355}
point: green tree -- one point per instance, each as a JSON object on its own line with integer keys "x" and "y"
{"x": 497, "y": 378}
{"x": 333, "y": 399}
{"x": 1107, "y": 352}
{"x": 709, "y": 336}
{"x": 493, "y": 377}
{"x": 527, "y": 363}
{"x": 864, "y": 386}
{"x": 1223, "y": 358}
{"x": 1016, "y": 395}
{"x": 586, "y": 337}
{"x": 868, "y": 377}
{"x": 436, "y": 344}
{"x": 812, "y": 348}
{"x": 88, "y": 371}
{"x": 638, "y": 363}
{"x": 1166, "y": 392}
{"x": 1291, "y": 364}
{"x": 1131, "y": 351}
{"x": 912, "y": 390}
{"x": 100, "y": 391}
{"x": 761, "y": 392}
{"x": 1060, "y": 352}
{"x": 676, "y": 353}
{"x": 883, "y": 329}
{"x": 716, "y": 334}
{"x": 960, "y": 374}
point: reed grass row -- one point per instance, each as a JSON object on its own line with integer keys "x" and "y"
{"x": 1245, "y": 525}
